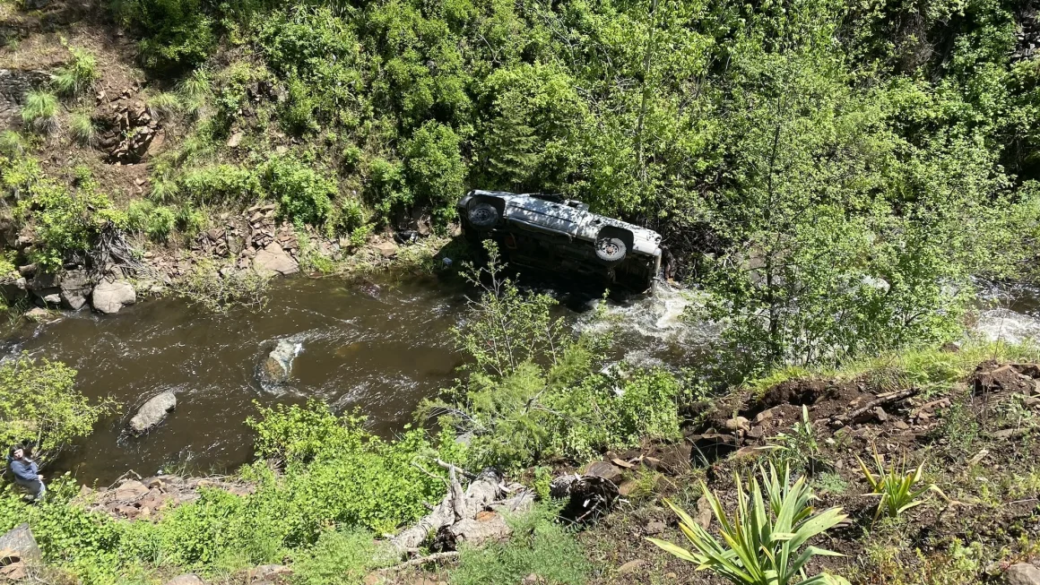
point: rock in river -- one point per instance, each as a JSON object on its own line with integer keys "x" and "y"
{"x": 153, "y": 412}
{"x": 110, "y": 297}
{"x": 278, "y": 364}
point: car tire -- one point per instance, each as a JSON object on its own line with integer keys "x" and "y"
{"x": 610, "y": 249}
{"x": 483, "y": 215}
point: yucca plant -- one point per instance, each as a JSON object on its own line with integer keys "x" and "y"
{"x": 898, "y": 487}
{"x": 762, "y": 541}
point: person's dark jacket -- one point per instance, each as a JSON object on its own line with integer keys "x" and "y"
{"x": 24, "y": 470}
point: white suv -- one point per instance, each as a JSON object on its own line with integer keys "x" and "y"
{"x": 548, "y": 231}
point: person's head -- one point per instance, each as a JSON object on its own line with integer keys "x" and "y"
{"x": 19, "y": 453}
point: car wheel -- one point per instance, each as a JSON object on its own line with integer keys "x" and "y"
{"x": 483, "y": 215}
{"x": 611, "y": 250}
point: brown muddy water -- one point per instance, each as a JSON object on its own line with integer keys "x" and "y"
{"x": 378, "y": 352}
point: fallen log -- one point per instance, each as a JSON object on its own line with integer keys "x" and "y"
{"x": 485, "y": 489}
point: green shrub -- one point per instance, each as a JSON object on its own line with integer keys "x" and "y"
{"x": 40, "y": 112}
{"x": 64, "y": 222}
{"x": 191, "y": 220}
{"x": 387, "y": 188}
{"x": 219, "y": 292}
{"x": 81, "y": 126}
{"x": 220, "y": 184}
{"x": 11, "y": 143}
{"x": 346, "y": 216}
{"x": 137, "y": 214}
{"x": 539, "y": 546}
{"x": 160, "y": 223}
{"x": 178, "y": 34}
{"x": 39, "y": 401}
{"x": 78, "y": 75}
{"x": 435, "y": 168}
{"x": 304, "y": 195}
{"x": 340, "y": 556}
{"x": 536, "y": 392}
{"x": 761, "y": 541}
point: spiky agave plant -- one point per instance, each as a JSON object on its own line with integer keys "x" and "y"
{"x": 762, "y": 541}
{"x": 898, "y": 487}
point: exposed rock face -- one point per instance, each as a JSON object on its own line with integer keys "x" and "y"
{"x": 278, "y": 364}
{"x": 274, "y": 259}
{"x": 75, "y": 289}
{"x": 110, "y": 297}
{"x": 20, "y": 540}
{"x": 153, "y": 412}
{"x": 14, "y": 85}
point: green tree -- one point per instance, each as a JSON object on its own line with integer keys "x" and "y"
{"x": 39, "y": 402}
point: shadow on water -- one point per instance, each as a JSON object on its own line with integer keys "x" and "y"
{"x": 378, "y": 346}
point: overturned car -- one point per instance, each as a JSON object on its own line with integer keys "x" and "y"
{"x": 550, "y": 232}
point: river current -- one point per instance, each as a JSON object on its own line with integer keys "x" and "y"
{"x": 379, "y": 348}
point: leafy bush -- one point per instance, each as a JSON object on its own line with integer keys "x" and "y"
{"x": 64, "y": 221}
{"x": 537, "y": 392}
{"x": 387, "y": 188}
{"x": 38, "y": 401}
{"x": 335, "y": 471}
{"x": 219, "y": 292}
{"x": 78, "y": 75}
{"x": 191, "y": 220}
{"x": 81, "y": 127}
{"x": 304, "y": 195}
{"x": 220, "y": 183}
{"x": 40, "y": 112}
{"x": 160, "y": 223}
{"x": 434, "y": 165}
{"x": 344, "y": 555}
{"x": 11, "y": 143}
{"x": 539, "y": 546}
{"x": 762, "y": 540}
{"x": 178, "y": 34}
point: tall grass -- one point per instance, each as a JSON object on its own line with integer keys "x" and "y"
{"x": 929, "y": 368}
{"x": 78, "y": 75}
{"x": 81, "y": 127}
{"x": 40, "y": 112}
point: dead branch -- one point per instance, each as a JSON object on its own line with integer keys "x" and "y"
{"x": 880, "y": 401}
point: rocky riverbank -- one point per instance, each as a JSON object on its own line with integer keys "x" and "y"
{"x": 251, "y": 242}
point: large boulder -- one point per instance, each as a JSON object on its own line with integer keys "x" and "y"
{"x": 1022, "y": 574}
{"x": 278, "y": 365}
{"x": 153, "y": 412}
{"x": 75, "y": 289}
{"x": 110, "y": 297}
{"x": 19, "y": 542}
{"x": 275, "y": 260}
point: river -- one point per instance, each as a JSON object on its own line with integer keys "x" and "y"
{"x": 380, "y": 352}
